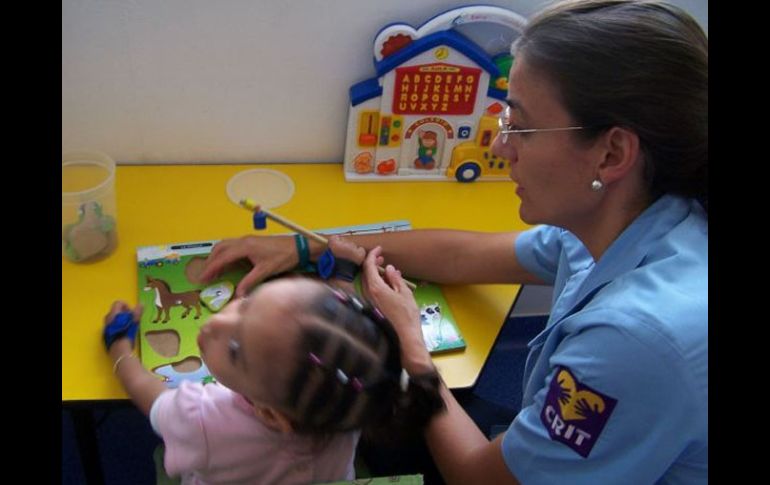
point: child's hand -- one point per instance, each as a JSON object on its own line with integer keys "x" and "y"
{"x": 121, "y": 325}
{"x": 341, "y": 262}
{"x": 346, "y": 249}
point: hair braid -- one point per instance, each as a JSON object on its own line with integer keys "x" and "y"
{"x": 348, "y": 374}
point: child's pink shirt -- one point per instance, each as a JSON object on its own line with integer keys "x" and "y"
{"x": 211, "y": 435}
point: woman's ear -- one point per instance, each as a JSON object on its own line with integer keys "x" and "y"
{"x": 274, "y": 419}
{"x": 621, "y": 154}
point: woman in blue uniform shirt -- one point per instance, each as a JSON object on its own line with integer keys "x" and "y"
{"x": 607, "y": 133}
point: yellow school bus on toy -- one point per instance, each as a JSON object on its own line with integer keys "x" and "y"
{"x": 474, "y": 159}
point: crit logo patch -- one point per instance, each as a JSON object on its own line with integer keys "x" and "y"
{"x": 575, "y": 414}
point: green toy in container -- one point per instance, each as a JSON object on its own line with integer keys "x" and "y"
{"x": 89, "y": 226}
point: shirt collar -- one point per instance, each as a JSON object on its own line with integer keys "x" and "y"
{"x": 628, "y": 251}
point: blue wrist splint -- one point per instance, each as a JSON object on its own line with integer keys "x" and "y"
{"x": 329, "y": 266}
{"x": 123, "y": 325}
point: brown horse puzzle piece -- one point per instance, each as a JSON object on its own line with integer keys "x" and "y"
{"x": 165, "y": 299}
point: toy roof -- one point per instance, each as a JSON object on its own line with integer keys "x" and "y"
{"x": 371, "y": 88}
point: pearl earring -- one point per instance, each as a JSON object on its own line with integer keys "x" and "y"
{"x": 597, "y": 185}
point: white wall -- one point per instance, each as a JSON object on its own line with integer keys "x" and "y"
{"x": 230, "y": 80}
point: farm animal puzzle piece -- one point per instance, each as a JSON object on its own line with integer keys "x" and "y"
{"x": 165, "y": 299}
{"x": 214, "y": 297}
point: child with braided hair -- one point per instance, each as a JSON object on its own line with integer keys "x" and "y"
{"x": 301, "y": 367}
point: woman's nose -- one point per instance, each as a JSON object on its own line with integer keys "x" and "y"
{"x": 504, "y": 150}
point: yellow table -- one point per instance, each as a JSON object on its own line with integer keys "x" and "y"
{"x": 177, "y": 203}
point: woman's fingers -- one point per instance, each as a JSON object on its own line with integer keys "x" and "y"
{"x": 395, "y": 280}
{"x": 249, "y": 281}
{"x": 220, "y": 257}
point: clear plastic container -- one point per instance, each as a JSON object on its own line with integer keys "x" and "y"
{"x": 88, "y": 206}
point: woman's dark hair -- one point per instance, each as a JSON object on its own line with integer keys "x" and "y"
{"x": 641, "y": 65}
{"x": 348, "y": 374}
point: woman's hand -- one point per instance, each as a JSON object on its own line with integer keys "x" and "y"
{"x": 395, "y": 300}
{"x": 269, "y": 255}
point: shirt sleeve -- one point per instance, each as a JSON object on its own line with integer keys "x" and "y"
{"x": 176, "y": 417}
{"x": 614, "y": 408}
{"x": 538, "y": 250}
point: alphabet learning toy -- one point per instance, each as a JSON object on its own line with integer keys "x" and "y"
{"x": 431, "y": 111}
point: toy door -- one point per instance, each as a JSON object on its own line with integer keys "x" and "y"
{"x": 424, "y": 150}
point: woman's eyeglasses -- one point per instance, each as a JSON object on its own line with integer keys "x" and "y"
{"x": 506, "y": 128}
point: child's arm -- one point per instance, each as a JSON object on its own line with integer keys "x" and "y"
{"x": 141, "y": 386}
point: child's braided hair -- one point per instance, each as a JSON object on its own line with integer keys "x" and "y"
{"x": 349, "y": 376}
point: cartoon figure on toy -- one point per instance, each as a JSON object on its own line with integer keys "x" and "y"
{"x": 363, "y": 163}
{"x": 433, "y": 332}
{"x": 428, "y": 141}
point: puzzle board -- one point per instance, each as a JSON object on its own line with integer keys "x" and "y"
{"x": 176, "y": 306}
